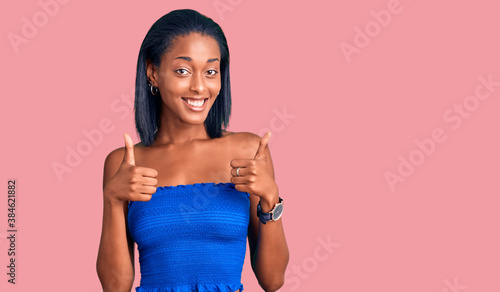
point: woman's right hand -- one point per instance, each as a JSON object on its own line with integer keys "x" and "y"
{"x": 131, "y": 182}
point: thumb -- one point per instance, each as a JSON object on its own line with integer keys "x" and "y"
{"x": 129, "y": 150}
{"x": 261, "y": 152}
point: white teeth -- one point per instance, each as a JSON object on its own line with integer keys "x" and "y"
{"x": 195, "y": 103}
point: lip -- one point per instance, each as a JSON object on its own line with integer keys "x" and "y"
{"x": 195, "y": 108}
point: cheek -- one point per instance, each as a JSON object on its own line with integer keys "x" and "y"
{"x": 214, "y": 87}
{"x": 176, "y": 86}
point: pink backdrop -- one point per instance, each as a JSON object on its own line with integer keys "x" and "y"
{"x": 384, "y": 117}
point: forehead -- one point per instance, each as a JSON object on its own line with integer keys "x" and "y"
{"x": 195, "y": 46}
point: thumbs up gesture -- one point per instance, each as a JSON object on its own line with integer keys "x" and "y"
{"x": 255, "y": 176}
{"x": 131, "y": 182}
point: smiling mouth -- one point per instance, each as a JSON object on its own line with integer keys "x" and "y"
{"x": 195, "y": 102}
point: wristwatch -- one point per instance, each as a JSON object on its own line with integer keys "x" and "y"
{"x": 273, "y": 215}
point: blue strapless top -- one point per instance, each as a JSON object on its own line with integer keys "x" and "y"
{"x": 191, "y": 237}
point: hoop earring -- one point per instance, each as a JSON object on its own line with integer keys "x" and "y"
{"x": 153, "y": 89}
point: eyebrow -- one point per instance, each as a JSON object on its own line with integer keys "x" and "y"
{"x": 189, "y": 59}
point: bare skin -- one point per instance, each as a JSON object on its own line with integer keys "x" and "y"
{"x": 184, "y": 154}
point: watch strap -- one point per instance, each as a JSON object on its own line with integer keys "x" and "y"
{"x": 264, "y": 217}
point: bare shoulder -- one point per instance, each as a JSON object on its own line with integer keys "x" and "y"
{"x": 244, "y": 143}
{"x": 245, "y": 136}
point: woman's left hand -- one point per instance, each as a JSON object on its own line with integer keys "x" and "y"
{"x": 254, "y": 174}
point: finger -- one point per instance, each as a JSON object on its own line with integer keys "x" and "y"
{"x": 128, "y": 157}
{"x": 239, "y": 180}
{"x": 235, "y": 163}
{"x": 242, "y": 188}
{"x": 146, "y": 190}
{"x": 241, "y": 172}
{"x": 149, "y": 181}
{"x": 146, "y": 171}
{"x": 261, "y": 152}
{"x": 143, "y": 197}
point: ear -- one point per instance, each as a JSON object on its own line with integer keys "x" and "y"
{"x": 152, "y": 72}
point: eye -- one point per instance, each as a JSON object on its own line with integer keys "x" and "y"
{"x": 212, "y": 72}
{"x": 182, "y": 71}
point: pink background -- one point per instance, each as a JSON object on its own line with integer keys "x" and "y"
{"x": 352, "y": 118}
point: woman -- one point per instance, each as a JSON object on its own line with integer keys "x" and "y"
{"x": 190, "y": 193}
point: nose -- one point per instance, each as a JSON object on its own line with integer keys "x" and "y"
{"x": 197, "y": 83}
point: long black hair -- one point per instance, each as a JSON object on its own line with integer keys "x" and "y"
{"x": 156, "y": 43}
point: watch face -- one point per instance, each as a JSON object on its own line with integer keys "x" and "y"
{"x": 277, "y": 212}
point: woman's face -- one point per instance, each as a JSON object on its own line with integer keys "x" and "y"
{"x": 188, "y": 73}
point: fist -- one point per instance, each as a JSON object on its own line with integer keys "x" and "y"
{"x": 131, "y": 182}
{"x": 255, "y": 176}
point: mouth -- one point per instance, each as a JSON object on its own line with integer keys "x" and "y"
{"x": 195, "y": 104}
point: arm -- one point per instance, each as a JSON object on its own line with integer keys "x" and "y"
{"x": 268, "y": 248}
{"x": 115, "y": 259}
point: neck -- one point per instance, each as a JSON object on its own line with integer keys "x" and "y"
{"x": 179, "y": 133}
{"x": 181, "y": 136}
